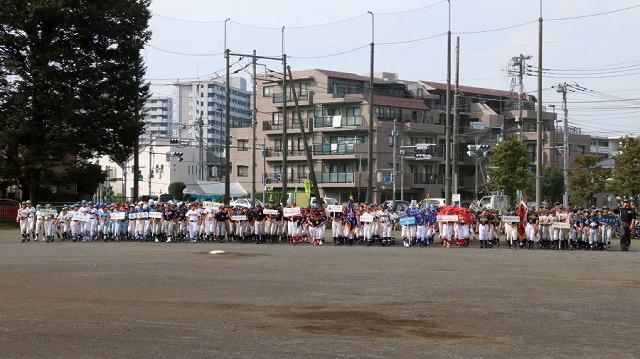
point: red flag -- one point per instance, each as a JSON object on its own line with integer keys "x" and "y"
{"x": 522, "y": 213}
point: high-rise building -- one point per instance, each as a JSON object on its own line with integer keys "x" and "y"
{"x": 158, "y": 115}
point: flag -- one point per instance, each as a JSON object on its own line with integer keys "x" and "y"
{"x": 352, "y": 221}
{"x": 522, "y": 213}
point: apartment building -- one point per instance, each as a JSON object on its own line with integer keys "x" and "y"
{"x": 334, "y": 112}
{"x": 200, "y": 106}
{"x": 158, "y": 116}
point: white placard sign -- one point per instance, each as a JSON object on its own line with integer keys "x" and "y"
{"x": 239, "y": 218}
{"x": 334, "y": 208}
{"x": 510, "y": 219}
{"x": 268, "y": 211}
{"x": 80, "y": 217}
{"x": 133, "y": 215}
{"x": 561, "y": 225}
{"x": 366, "y": 218}
{"x": 143, "y": 215}
{"x": 155, "y": 214}
{"x": 448, "y": 218}
{"x": 116, "y": 216}
{"x": 209, "y": 204}
{"x": 290, "y": 212}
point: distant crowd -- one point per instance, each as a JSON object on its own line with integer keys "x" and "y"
{"x": 421, "y": 226}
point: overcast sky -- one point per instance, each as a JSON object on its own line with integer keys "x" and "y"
{"x": 592, "y": 43}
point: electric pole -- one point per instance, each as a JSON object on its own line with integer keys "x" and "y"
{"x": 562, "y": 88}
{"x": 456, "y": 122}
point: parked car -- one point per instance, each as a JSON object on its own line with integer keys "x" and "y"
{"x": 436, "y": 202}
{"x": 9, "y": 208}
{"x": 244, "y": 202}
{"x": 400, "y": 205}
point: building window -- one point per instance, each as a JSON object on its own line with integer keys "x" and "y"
{"x": 243, "y": 145}
{"x": 581, "y": 149}
{"x": 267, "y": 91}
{"x": 243, "y": 171}
{"x": 303, "y": 171}
{"x": 300, "y": 144}
{"x": 304, "y": 89}
{"x": 276, "y": 118}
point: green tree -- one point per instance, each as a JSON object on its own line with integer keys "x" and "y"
{"x": 509, "y": 169}
{"x": 552, "y": 183}
{"x": 626, "y": 181}
{"x": 69, "y": 83}
{"x": 587, "y": 179}
{"x": 175, "y": 189}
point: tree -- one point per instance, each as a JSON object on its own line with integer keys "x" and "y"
{"x": 587, "y": 179}
{"x": 509, "y": 169}
{"x": 552, "y": 183}
{"x": 176, "y": 188}
{"x": 626, "y": 181}
{"x": 70, "y": 83}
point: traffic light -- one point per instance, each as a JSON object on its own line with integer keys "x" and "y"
{"x": 484, "y": 149}
{"x": 472, "y": 150}
{"x": 176, "y": 154}
{"x": 174, "y": 141}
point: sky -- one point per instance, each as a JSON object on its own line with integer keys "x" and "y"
{"x": 591, "y": 45}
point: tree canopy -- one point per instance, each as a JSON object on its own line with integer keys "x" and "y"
{"x": 587, "y": 178}
{"x": 509, "y": 170}
{"x": 626, "y": 181}
{"x": 70, "y": 84}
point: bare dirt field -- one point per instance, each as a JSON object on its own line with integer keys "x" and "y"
{"x": 147, "y": 300}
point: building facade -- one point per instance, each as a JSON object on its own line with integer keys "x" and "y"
{"x": 158, "y": 116}
{"x": 333, "y": 111}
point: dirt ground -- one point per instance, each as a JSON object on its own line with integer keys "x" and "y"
{"x": 147, "y": 300}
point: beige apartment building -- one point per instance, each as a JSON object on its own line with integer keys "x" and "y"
{"x": 334, "y": 112}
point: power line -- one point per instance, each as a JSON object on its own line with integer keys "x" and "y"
{"x": 329, "y": 55}
{"x": 592, "y": 15}
{"x": 183, "y": 53}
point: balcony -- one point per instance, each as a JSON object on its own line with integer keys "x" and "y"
{"x": 305, "y": 98}
{"x": 337, "y": 121}
{"x": 278, "y": 126}
{"x": 292, "y": 177}
{"x": 333, "y": 149}
{"x": 276, "y": 153}
{"x": 335, "y": 177}
{"x": 428, "y": 178}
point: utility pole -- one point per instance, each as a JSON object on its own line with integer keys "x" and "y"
{"x": 201, "y": 140}
{"x": 394, "y": 172}
{"x": 285, "y": 136}
{"x": 369, "y": 197}
{"x": 150, "y": 163}
{"x": 401, "y": 173}
{"x": 136, "y": 146}
{"x": 307, "y": 151}
{"x": 447, "y": 155}
{"x": 539, "y": 117}
{"x": 254, "y": 123}
{"x": 264, "y": 169}
{"x": 456, "y": 121}
{"x": 227, "y": 126}
{"x": 562, "y": 88}
{"x": 520, "y": 63}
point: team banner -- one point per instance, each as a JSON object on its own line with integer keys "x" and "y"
{"x": 448, "y": 218}
{"x": 334, "y": 208}
{"x": 116, "y": 216}
{"x": 239, "y": 218}
{"x": 155, "y": 214}
{"x": 366, "y": 218}
{"x": 561, "y": 225}
{"x": 407, "y": 221}
{"x": 510, "y": 219}
{"x": 268, "y": 211}
{"x": 290, "y": 212}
